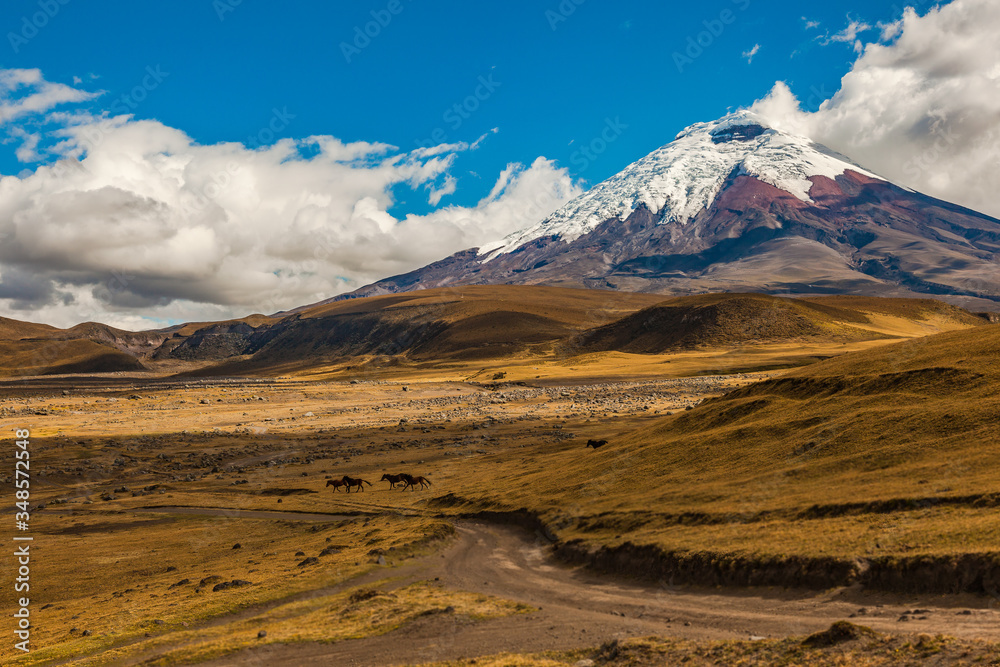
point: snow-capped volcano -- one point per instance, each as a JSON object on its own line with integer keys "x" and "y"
{"x": 684, "y": 177}
{"x": 738, "y": 205}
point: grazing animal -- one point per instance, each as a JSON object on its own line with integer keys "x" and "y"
{"x": 336, "y": 484}
{"x": 595, "y": 443}
{"x": 413, "y": 481}
{"x": 351, "y": 482}
{"x": 394, "y": 479}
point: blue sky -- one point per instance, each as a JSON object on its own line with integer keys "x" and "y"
{"x": 557, "y": 75}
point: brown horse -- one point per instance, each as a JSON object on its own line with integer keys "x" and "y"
{"x": 411, "y": 482}
{"x": 355, "y": 481}
{"x": 393, "y": 479}
{"x": 595, "y": 443}
{"x": 336, "y": 484}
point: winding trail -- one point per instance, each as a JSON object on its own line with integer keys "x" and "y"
{"x": 578, "y": 609}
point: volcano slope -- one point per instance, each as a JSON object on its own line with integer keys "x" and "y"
{"x": 737, "y": 205}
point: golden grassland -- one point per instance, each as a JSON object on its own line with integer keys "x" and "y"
{"x": 765, "y": 457}
{"x": 326, "y": 618}
{"x": 114, "y": 580}
{"x": 792, "y": 465}
{"x": 913, "y": 421}
{"x": 769, "y": 451}
{"x": 553, "y": 367}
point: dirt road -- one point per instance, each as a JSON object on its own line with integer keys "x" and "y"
{"x": 578, "y": 609}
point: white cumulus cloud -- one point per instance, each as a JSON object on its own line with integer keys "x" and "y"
{"x": 137, "y": 224}
{"x": 25, "y": 91}
{"x": 849, "y": 35}
{"x": 921, "y": 107}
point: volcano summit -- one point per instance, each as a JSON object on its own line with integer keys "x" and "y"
{"x": 737, "y": 205}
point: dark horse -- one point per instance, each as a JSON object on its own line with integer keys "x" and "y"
{"x": 355, "y": 481}
{"x": 595, "y": 443}
{"x": 412, "y": 481}
{"x": 394, "y": 479}
{"x": 336, "y": 484}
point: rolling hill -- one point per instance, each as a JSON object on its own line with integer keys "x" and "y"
{"x": 501, "y": 322}
{"x": 507, "y": 322}
{"x": 54, "y": 357}
{"x": 92, "y": 347}
{"x": 16, "y": 329}
{"x": 911, "y": 422}
{"x": 720, "y": 320}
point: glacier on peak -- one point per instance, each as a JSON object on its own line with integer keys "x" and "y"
{"x": 684, "y": 177}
